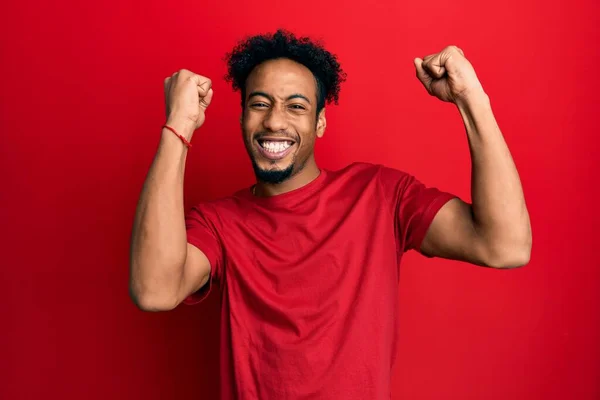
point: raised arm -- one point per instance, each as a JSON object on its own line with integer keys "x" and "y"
{"x": 164, "y": 268}
{"x": 494, "y": 230}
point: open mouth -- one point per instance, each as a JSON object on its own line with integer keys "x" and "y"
{"x": 275, "y": 149}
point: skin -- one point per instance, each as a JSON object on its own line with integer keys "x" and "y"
{"x": 493, "y": 231}
{"x": 281, "y": 100}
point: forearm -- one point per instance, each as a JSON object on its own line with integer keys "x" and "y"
{"x": 500, "y": 214}
{"x": 158, "y": 243}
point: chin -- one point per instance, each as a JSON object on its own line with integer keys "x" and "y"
{"x": 274, "y": 176}
{"x": 268, "y": 165}
{"x": 273, "y": 173}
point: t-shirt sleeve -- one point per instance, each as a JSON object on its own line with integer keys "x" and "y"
{"x": 202, "y": 233}
{"x": 412, "y": 204}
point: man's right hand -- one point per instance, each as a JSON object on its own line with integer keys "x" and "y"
{"x": 187, "y": 96}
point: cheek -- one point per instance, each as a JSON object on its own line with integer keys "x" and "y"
{"x": 248, "y": 126}
{"x": 305, "y": 127}
{"x": 308, "y": 143}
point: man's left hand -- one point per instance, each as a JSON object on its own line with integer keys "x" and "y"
{"x": 448, "y": 75}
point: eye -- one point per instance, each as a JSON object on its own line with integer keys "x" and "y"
{"x": 259, "y": 105}
{"x": 298, "y": 107}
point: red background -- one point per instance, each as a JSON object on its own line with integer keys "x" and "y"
{"x": 81, "y": 110}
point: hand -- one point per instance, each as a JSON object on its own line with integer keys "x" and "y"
{"x": 448, "y": 75}
{"x": 187, "y": 96}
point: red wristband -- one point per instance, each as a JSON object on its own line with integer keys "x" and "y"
{"x": 184, "y": 140}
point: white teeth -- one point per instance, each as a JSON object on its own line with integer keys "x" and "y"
{"x": 274, "y": 146}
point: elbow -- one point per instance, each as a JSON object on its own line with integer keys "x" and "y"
{"x": 146, "y": 301}
{"x": 516, "y": 259}
{"x": 509, "y": 257}
{"x": 150, "y": 288}
{"x": 508, "y": 245}
{"x": 151, "y": 303}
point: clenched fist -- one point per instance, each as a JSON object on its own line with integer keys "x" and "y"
{"x": 187, "y": 96}
{"x": 448, "y": 75}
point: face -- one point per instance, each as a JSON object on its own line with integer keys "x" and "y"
{"x": 279, "y": 121}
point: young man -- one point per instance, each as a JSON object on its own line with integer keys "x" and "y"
{"x": 307, "y": 259}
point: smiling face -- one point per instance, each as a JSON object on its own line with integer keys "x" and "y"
{"x": 279, "y": 122}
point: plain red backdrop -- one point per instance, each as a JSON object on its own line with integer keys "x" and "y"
{"x": 81, "y": 111}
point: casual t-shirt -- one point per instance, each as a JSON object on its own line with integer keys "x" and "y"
{"x": 308, "y": 281}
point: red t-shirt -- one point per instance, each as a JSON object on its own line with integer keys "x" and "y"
{"x": 308, "y": 282}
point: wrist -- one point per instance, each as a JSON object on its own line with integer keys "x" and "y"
{"x": 477, "y": 115}
{"x": 176, "y": 134}
{"x": 183, "y": 126}
{"x": 169, "y": 142}
{"x": 472, "y": 100}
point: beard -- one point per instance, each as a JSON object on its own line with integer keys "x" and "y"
{"x": 273, "y": 176}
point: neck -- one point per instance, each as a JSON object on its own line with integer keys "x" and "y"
{"x": 308, "y": 174}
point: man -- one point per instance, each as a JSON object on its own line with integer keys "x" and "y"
{"x": 307, "y": 259}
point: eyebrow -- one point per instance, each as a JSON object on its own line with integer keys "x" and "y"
{"x": 293, "y": 96}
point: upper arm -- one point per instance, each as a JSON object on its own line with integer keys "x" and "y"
{"x": 204, "y": 260}
{"x": 452, "y": 235}
{"x": 196, "y": 273}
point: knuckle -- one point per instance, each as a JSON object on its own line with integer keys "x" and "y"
{"x": 203, "y": 79}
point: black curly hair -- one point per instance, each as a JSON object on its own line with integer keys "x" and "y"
{"x": 254, "y": 50}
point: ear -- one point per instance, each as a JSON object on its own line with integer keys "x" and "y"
{"x": 321, "y": 123}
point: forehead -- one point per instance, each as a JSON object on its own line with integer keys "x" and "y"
{"x": 281, "y": 78}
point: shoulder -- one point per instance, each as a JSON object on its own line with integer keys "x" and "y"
{"x": 214, "y": 209}
{"x": 372, "y": 171}
{"x": 367, "y": 170}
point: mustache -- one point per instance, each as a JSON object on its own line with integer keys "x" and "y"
{"x": 279, "y": 134}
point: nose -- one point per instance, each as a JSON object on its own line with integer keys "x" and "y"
{"x": 275, "y": 120}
